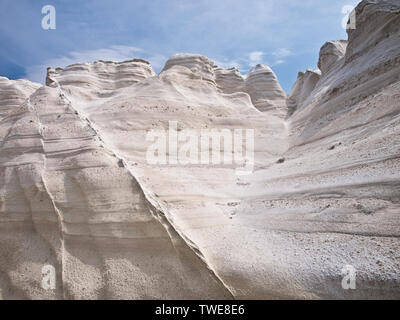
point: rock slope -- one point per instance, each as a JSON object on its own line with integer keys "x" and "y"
{"x": 78, "y": 192}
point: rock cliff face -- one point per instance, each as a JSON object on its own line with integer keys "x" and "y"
{"x": 302, "y": 89}
{"x": 265, "y": 91}
{"x": 201, "y": 66}
{"x": 77, "y": 190}
{"x": 260, "y": 83}
{"x": 330, "y": 53}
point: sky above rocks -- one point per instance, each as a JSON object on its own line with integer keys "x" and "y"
{"x": 284, "y": 34}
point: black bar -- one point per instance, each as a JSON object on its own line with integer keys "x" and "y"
{"x": 162, "y": 310}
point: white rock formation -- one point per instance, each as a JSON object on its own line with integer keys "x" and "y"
{"x": 14, "y": 93}
{"x": 229, "y": 80}
{"x": 260, "y": 83}
{"x": 201, "y": 66}
{"x": 330, "y": 53}
{"x": 69, "y": 201}
{"x": 302, "y": 89}
{"x": 265, "y": 91}
{"x": 77, "y": 191}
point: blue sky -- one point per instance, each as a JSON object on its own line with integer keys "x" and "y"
{"x": 284, "y": 34}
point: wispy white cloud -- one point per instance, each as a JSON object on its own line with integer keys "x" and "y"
{"x": 279, "y": 56}
{"x": 242, "y": 63}
{"x": 277, "y": 62}
{"x": 282, "y": 53}
{"x": 255, "y": 57}
{"x": 37, "y": 73}
{"x": 169, "y": 27}
{"x": 226, "y": 63}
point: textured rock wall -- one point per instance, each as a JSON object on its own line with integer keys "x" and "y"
{"x": 330, "y": 53}
{"x": 68, "y": 201}
{"x": 260, "y": 83}
{"x": 265, "y": 91}
{"x": 14, "y": 93}
{"x": 302, "y": 89}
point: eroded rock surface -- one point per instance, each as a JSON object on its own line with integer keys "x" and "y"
{"x": 330, "y": 53}
{"x": 302, "y": 89}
